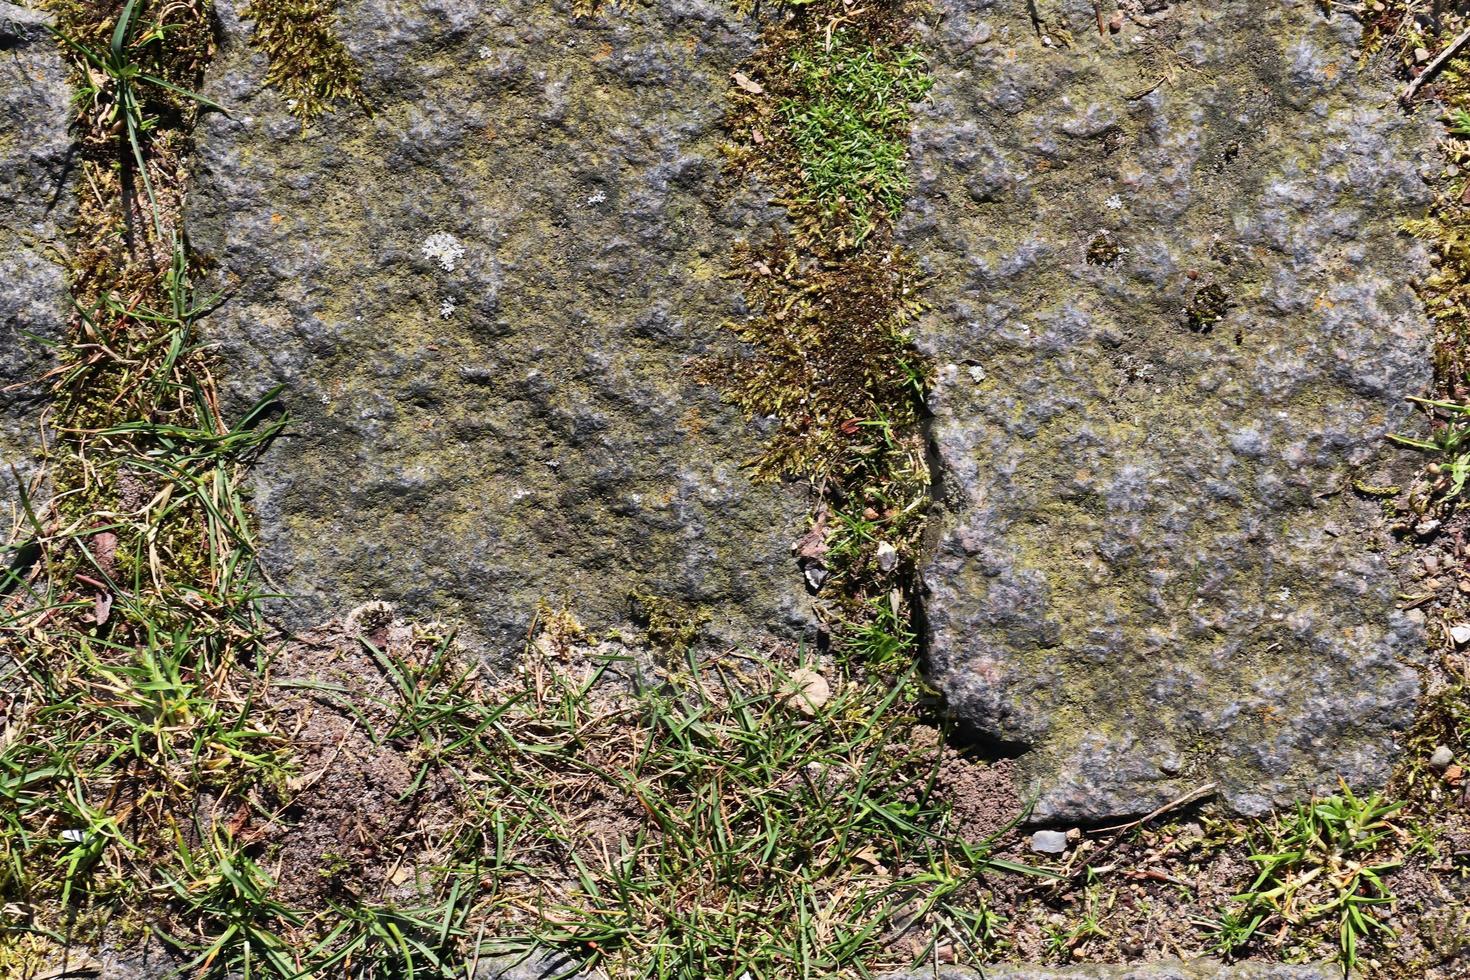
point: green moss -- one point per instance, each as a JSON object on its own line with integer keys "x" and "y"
{"x": 1207, "y": 307}
{"x": 848, "y": 121}
{"x": 309, "y": 64}
{"x": 827, "y": 356}
{"x": 824, "y": 115}
{"x": 668, "y": 626}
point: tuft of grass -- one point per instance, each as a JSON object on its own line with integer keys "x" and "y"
{"x": 136, "y": 67}
{"x": 1450, "y": 442}
{"x": 848, "y": 121}
{"x": 226, "y": 897}
{"x": 309, "y": 64}
{"x": 118, "y": 90}
{"x": 756, "y": 839}
{"x": 1326, "y": 862}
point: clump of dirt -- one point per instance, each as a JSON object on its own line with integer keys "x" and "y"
{"x": 982, "y": 795}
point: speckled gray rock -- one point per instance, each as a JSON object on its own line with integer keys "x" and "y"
{"x": 1164, "y": 970}
{"x": 481, "y": 301}
{"x": 1153, "y": 571}
{"x": 34, "y": 189}
{"x": 534, "y": 966}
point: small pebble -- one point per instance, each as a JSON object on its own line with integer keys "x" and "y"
{"x": 1460, "y": 633}
{"x": 1421, "y": 55}
{"x": 1048, "y": 842}
{"x": 1442, "y": 757}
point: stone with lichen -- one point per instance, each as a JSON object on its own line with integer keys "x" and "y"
{"x": 1151, "y": 570}
{"x": 34, "y": 160}
{"x": 481, "y": 300}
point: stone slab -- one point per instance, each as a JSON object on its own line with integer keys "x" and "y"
{"x": 501, "y": 415}
{"x": 35, "y": 164}
{"x": 1153, "y": 573}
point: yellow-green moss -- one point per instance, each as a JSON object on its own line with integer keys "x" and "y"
{"x": 309, "y": 64}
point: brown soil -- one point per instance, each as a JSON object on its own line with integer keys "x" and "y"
{"x": 362, "y": 812}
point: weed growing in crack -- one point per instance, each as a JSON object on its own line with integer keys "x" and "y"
{"x": 826, "y": 357}
{"x": 848, "y": 122}
{"x": 1326, "y": 861}
{"x": 115, "y": 95}
{"x": 1449, "y": 442}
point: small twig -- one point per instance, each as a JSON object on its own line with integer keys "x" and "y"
{"x": 1153, "y": 875}
{"x": 1072, "y": 873}
{"x": 1208, "y": 789}
{"x": 1434, "y": 66}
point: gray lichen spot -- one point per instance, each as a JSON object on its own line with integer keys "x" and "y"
{"x": 34, "y": 157}
{"x": 1152, "y": 571}
{"x": 482, "y": 300}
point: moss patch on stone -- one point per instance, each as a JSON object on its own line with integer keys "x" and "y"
{"x": 822, "y": 113}
{"x": 309, "y": 64}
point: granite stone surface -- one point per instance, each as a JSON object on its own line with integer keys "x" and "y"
{"x": 1174, "y": 319}
{"x": 35, "y": 190}
{"x": 481, "y": 300}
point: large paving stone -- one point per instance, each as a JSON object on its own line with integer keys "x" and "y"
{"x": 503, "y": 414}
{"x": 34, "y": 186}
{"x": 1152, "y": 571}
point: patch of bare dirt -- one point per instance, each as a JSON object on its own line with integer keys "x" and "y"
{"x": 363, "y": 810}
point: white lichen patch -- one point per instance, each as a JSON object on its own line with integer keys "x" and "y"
{"x": 446, "y": 308}
{"x": 444, "y": 249}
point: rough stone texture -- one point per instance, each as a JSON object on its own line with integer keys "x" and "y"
{"x": 1153, "y": 571}
{"x": 1166, "y": 970}
{"x": 535, "y": 966}
{"x": 539, "y": 439}
{"x": 34, "y": 157}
